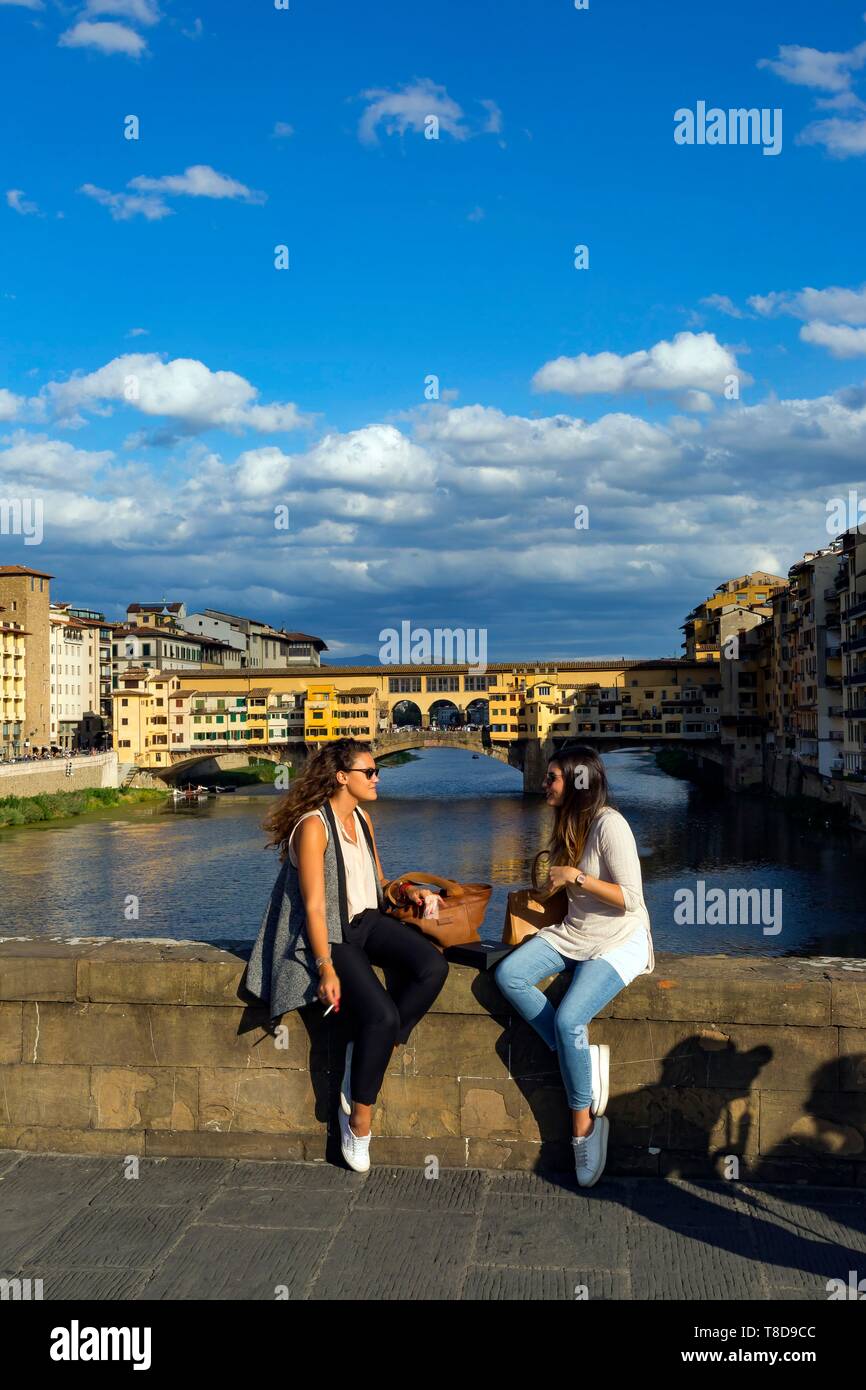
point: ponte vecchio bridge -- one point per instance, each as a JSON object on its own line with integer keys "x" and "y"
{"x": 518, "y": 713}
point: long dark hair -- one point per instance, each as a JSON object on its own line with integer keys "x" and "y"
{"x": 314, "y": 785}
{"x": 586, "y": 793}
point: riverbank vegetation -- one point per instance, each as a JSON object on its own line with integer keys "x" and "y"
{"x": 50, "y": 806}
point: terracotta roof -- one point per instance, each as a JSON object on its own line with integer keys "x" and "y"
{"x": 304, "y": 637}
{"x": 24, "y": 569}
{"x": 154, "y": 607}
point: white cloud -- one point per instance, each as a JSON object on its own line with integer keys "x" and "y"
{"x": 138, "y": 333}
{"x": 16, "y": 200}
{"x": 105, "y": 37}
{"x": 831, "y": 73}
{"x": 698, "y": 401}
{"x": 838, "y": 338}
{"x": 282, "y": 130}
{"x": 124, "y": 206}
{"x": 148, "y": 199}
{"x": 842, "y": 139}
{"x": 10, "y": 405}
{"x": 691, "y": 360}
{"x": 25, "y": 4}
{"x": 329, "y": 533}
{"x": 831, "y": 305}
{"x": 408, "y": 108}
{"x": 32, "y": 457}
{"x": 182, "y": 389}
{"x": 262, "y": 472}
{"x": 378, "y": 456}
{"x": 198, "y": 181}
{"x": 810, "y": 67}
{"x": 493, "y": 124}
{"x": 138, "y": 11}
{"x": 725, "y": 305}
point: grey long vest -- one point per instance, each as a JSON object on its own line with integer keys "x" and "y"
{"x": 282, "y": 967}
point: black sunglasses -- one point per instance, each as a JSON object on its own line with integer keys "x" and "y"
{"x": 369, "y": 772}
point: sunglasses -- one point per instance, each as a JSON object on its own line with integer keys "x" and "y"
{"x": 369, "y": 772}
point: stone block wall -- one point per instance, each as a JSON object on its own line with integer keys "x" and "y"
{"x": 721, "y": 1066}
{"x": 36, "y": 778}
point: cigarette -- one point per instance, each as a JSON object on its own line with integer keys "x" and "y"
{"x": 327, "y": 1011}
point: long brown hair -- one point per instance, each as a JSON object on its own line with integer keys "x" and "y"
{"x": 586, "y": 793}
{"x": 314, "y": 785}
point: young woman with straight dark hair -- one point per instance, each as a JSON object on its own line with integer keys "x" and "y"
{"x": 326, "y": 928}
{"x": 605, "y": 941}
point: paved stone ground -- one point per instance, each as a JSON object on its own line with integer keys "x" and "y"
{"x": 232, "y": 1229}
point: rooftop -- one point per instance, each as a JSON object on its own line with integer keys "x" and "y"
{"x": 12, "y": 571}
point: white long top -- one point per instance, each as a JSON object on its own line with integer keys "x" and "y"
{"x": 592, "y": 927}
{"x": 360, "y": 869}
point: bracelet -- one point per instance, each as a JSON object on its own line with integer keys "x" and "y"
{"x": 320, "y": 960}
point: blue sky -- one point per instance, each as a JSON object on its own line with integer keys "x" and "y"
{"x": 152, "y": 260}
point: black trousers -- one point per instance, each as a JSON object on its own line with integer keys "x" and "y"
{"x": 379, "y": 1017}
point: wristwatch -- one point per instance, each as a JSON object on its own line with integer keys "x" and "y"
{"x": 579, "y": 878}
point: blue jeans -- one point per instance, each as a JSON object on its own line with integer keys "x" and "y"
{"x": 594, "y": 983}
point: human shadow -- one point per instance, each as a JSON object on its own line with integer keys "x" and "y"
{"x": 698, "y": 1117}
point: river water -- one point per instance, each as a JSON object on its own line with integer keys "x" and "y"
{"x": 203, "y": 874}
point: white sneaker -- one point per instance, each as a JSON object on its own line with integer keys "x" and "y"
{"x": 356, "y": 1151}
{"x": 590, "y": 1153}
{"x": 345, "y": 1092}
{"x": 599, "y": 1056}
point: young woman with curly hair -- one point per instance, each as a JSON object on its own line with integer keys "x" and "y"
{"x": 326, "y": 927}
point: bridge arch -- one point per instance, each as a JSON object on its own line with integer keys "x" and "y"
{"x": 406, "y": 714}
{"x": 445, "y": 714}
{"x": 478, "y": 711}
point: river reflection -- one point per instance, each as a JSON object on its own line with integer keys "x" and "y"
{"x": 202, "y": 874}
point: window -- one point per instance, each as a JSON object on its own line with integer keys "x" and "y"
{"x": 401, "y": 684}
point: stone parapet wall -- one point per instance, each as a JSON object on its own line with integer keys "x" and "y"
{"x": 721, "y": 1066}
{"x": 38, "y": 778}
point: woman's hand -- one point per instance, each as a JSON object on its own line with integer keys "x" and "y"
{"x": 560, "y": 875}
{"x": 418, "y": 895}
{"x": 329, "y": 987}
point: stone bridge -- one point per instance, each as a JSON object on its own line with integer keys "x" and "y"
{"x": 527, "y": 756}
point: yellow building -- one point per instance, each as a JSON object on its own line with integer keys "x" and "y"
{"x": 12, "y": 687}
{"x": 709, "y": 625}
{"x": 146, "y": 706}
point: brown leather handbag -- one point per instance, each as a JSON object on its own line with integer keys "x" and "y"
{"x": 530, "y": 909}
{"x": 461, "y": 908}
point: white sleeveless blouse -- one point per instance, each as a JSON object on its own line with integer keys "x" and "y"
{"x": 360, "y": 868}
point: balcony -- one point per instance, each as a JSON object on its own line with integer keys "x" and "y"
{"x": 855, "y": 644}
{"x": 858, "y": 679}
{"x": 832, "y": 594}
{"x": 856, "y": 610}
